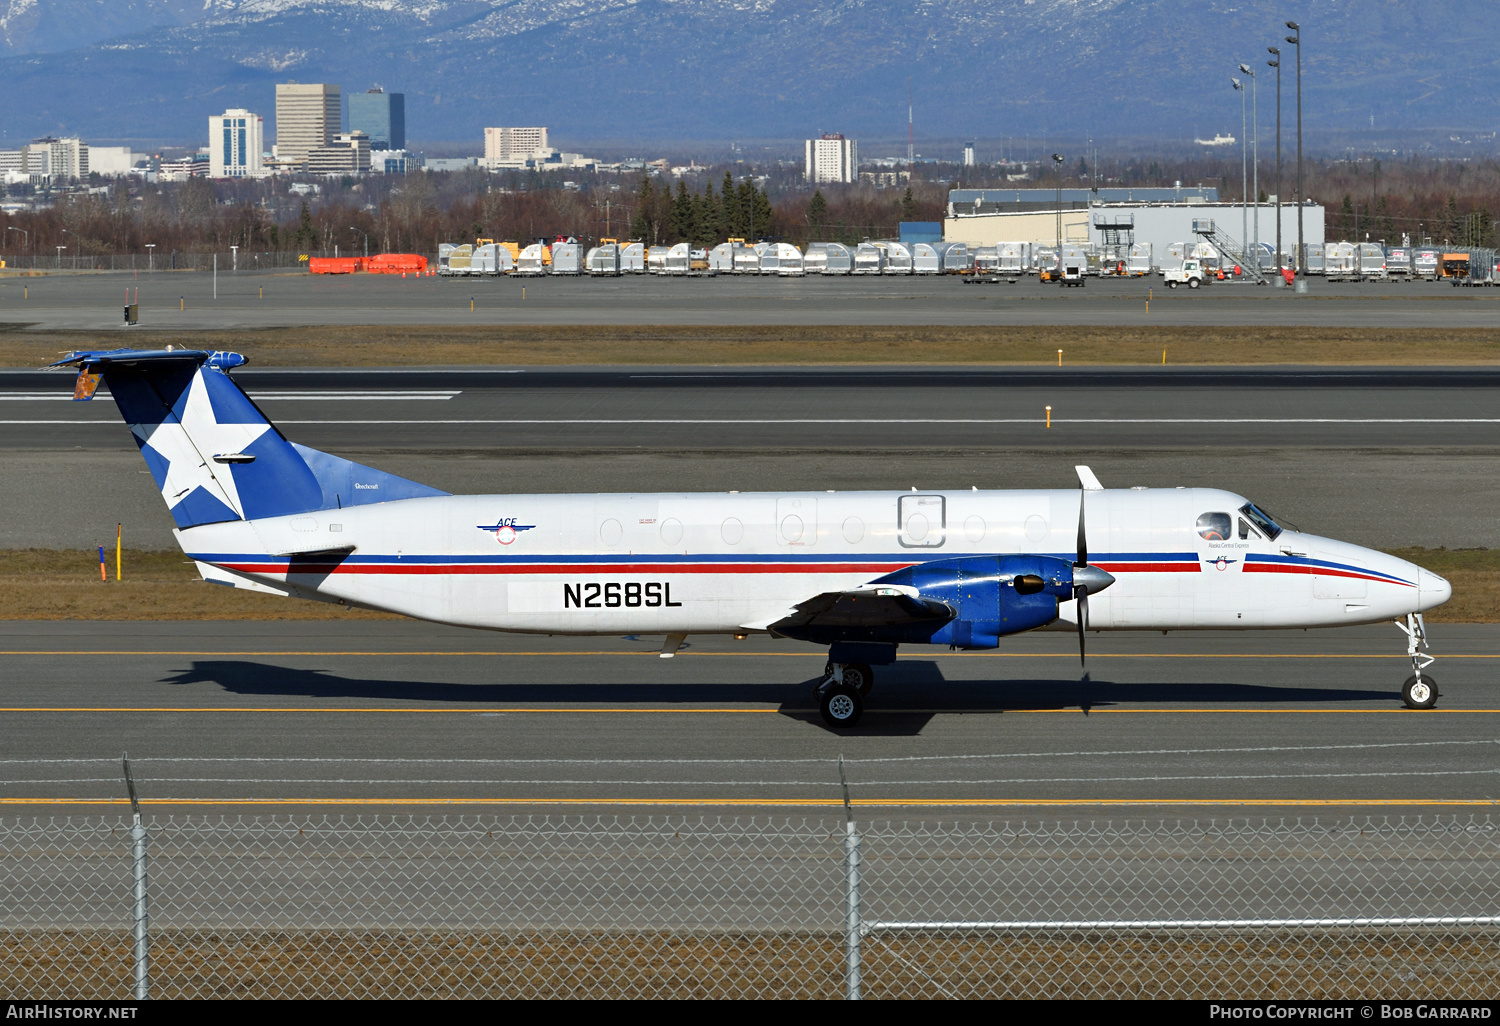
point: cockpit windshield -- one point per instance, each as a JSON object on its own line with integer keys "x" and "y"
{"x": 1261, "y": 520}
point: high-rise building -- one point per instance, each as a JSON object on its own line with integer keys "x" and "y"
{"x": 512, "y": 147}
{"x": 235, "y": 143}
{"x": 57, "y": 158}
{"x": 347, "y": 152}
{"x": 308, "y": 116}
{"x": 968, "y": 154}
{"x": 832, "y": 159}
{"x": 381, "y": 116}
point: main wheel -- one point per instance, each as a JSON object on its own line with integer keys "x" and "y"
{"x": 1420, "y": 692}
{"x": 840, "y": 705}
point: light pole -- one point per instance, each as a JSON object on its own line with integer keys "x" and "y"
{"x": 367, "y": 240}
{"x": 150, "y": 257}
{"x": 1239, "y": 87}
{"x": 59, "y": 256}
{"x": 1254, "y": 153}
{"x": 234, "y": 256}
{"x": 1280, "y": 281}
{"x": 25, "y": 242}
{"x": 1296, "y": 41}
{"x": 61, "y": 248}
{"x": 1057, "y": 162}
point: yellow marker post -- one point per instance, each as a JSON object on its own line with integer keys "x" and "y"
{"x": 262, "y": 292}
{"x": 1049, "y": 416}
{"x": 1163, "y": 357}
{"x": 103, "y": 574}
{"x": 471, "y": 304}
{"x": 181, "y": 303}
{"x": 523, "y": 291}
{"x": 119, "y": 533}
{"x": 1059, "y": 359}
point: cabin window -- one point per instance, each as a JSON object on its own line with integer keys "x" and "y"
{"x": 1214, "y": 527}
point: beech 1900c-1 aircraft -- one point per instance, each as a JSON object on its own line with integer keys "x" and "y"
{"x": 858, "y": 572}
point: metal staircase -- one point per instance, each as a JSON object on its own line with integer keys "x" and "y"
{"x": 1231, "y": 252}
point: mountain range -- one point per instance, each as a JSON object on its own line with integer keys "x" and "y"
{"x": 600, "y": 70}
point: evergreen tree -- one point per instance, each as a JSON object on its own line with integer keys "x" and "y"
{"x": 682, "y": 214}
{"x": 641, "y": 227}
{"x": 750, "y": 221}
{"x": 729, "y": 215}
{"x": 763, "y": 212}
{"x": 306, "y": 235}
{"x": 1346, "y": 215}
{"x": 706, "y": 218}
{"x": 1452, "y": 223}
{"x": 817, "y": 216}
{"x": 908, "y": 206}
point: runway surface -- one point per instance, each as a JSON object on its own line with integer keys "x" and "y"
{"x": 367, "y": 716}
{"x": 188, "y": 300}
{"x": 1380, "y": 456}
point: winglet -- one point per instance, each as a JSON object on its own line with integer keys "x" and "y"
{"x": 1087, "y": 479}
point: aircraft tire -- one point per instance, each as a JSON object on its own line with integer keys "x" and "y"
{"x": 864, "y": 684}
{"x": 840, "y": 705}
{"x": 1420, "y": 692}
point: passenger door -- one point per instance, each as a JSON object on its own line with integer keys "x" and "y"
{"x": 922, "y": 521}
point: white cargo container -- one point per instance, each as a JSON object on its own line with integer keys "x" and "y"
{"x": 986, "y": 259}
{"x": 815, "y": 260}
{"x": 454, "y": 261}
{"x": 898, "y": 259}
{"x": 869, "y": 259}
{"x": 1206, "y": 255}
{"x": 1426, "y": 261}
{"x": 604, "y": 261}
{"x": 721, "y": 258}
{"x": 1371, "y": 259}
{"x": 491, "y": 258}
{"x": 1398, "y": 262}
{"x": 1338, "y": 259}
{"x": 955, "y": 257}
{"x": 531, "y": 264}
{"x": 770, "y": 257}
{"x": 1138, "y": 261}
{"x": 1013, "y": 257}
{"x": 746, "y": 260}
{"x": 656, "y": 259}
{"x": 633, "y": 258}
{"x": 1174, "y": 255}
{"x": 567, "y": 258}
{"x": 840, "y": 259}
{"x": 1315, "y": 258}
{"x": 789, "y": 261}
{"x": 679, "y": 259}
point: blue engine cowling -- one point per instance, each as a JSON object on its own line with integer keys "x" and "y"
{"x": 990, "y": 596}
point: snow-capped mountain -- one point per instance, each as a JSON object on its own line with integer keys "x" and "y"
{"x": 622, "y": 69}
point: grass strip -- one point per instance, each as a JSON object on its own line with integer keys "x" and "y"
{"x": 52, "y": 584}
{"x": 525, "y": 345}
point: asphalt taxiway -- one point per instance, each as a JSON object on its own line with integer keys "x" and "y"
{"x": 383, "y": 716}
{"x": 1379, "y": 456}
{"x": 249, "y": 300}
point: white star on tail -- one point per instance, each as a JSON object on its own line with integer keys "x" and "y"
{"x": 190, "y": 446}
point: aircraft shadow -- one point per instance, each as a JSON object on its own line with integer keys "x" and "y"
{"x": 906, "y": 696}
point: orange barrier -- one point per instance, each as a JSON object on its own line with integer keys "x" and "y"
{"x": 334, "y": 265}
{"x": 396, "y": 263}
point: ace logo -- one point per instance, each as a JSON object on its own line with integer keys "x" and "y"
{"x": 505, "y": 529}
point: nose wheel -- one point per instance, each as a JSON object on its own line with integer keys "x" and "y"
{"x": 1420, "y": 690}
{"x": 840, "y": 694}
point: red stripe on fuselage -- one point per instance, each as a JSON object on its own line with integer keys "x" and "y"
{"x": 1320, "y": 571}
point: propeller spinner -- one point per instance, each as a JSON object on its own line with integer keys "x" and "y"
{"x": 1086, "y": 579}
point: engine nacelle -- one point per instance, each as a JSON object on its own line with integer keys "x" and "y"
{"x": 990, "y": 596}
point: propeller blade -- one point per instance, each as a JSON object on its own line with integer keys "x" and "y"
{"x": 1082, "y": 596}
{"x": 1083, "y": 542}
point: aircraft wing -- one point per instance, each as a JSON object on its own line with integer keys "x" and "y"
{"x": 868, "y": 606}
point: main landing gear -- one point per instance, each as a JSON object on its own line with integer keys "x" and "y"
{"x": 1420, "y": 690}
{"x": 841, "y": 693}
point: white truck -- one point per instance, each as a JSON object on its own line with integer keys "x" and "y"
{"x": 1190, "y": 273}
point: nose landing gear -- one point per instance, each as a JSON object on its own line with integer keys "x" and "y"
{"x": 1420, "y": 690}
{"x": 840, "y": 694}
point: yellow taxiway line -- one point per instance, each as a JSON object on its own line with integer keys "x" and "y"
{"x": 817, "y": 803}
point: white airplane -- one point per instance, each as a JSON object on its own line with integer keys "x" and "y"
{"x": 859, "y": 572}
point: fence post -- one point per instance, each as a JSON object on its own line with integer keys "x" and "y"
{"x": 851, "y": 896}
{"x": 141, "y": 949}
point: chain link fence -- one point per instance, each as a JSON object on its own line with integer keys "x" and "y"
{"x": 165, "y": 261}
{"x": 609, "y": 907}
